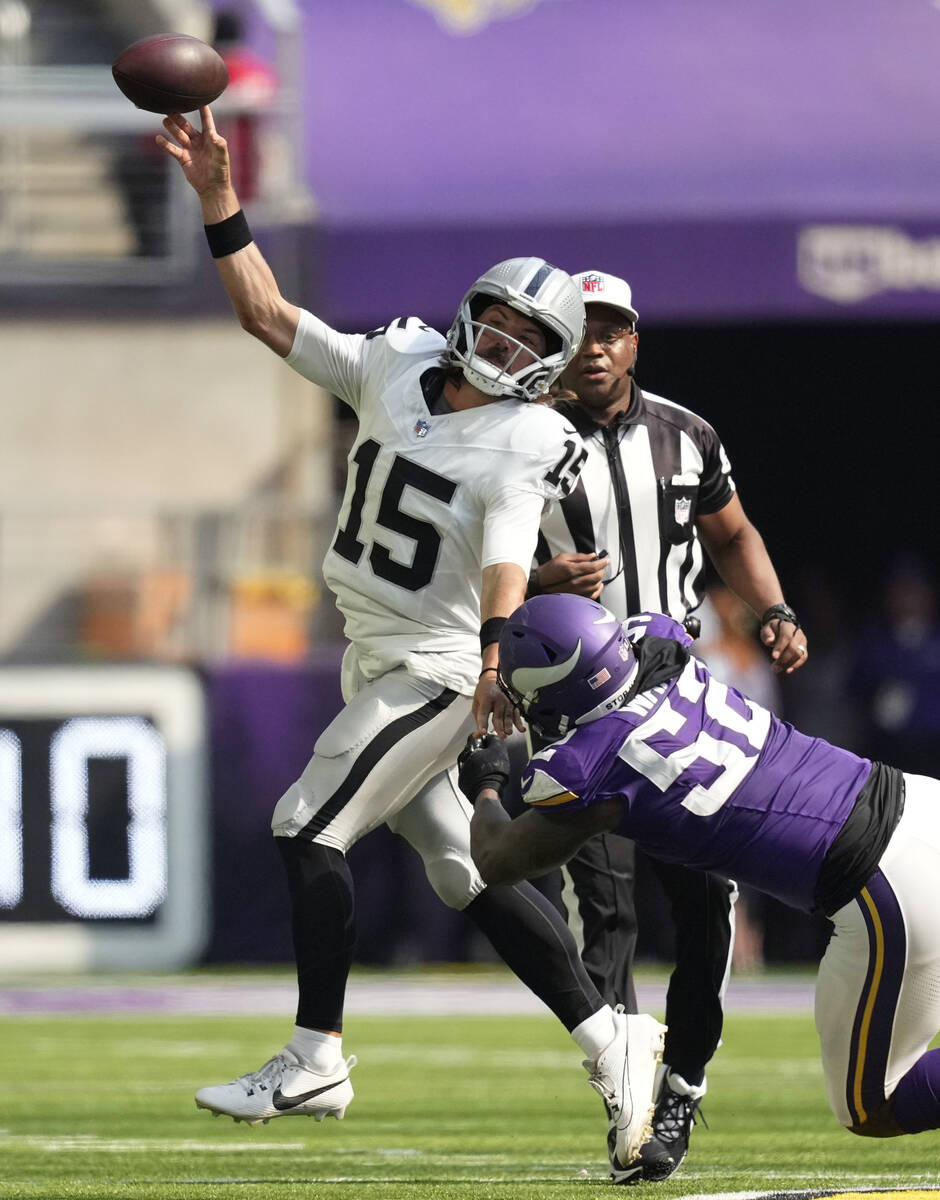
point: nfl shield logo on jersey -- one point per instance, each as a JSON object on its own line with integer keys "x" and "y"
{"x": 422, "y": 428}
{"x": 683, "y": 508}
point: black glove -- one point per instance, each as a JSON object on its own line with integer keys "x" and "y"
{"x": 483, "y": 763}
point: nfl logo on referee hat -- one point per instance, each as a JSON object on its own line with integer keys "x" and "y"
{"x": 599, "y": 288}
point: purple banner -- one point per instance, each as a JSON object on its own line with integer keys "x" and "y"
{"x": 733, "y": 160}
{"x": 680, "y": 271}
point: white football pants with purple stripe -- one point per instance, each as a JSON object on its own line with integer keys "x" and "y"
{"x": 878, "y": 992}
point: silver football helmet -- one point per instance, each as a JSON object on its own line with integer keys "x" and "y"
{"x": 543, "y": 293}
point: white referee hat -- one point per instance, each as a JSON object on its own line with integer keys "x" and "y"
{"x": 599, "y": 288}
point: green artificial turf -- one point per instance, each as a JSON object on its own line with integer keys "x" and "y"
{"x": 463, "y": 1108}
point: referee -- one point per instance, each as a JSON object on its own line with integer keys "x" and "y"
{"x": 654, "y": 495}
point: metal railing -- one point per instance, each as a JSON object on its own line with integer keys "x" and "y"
{"x": 86, "y": 197}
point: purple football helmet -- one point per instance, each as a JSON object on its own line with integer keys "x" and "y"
{"x": 564, "y": 661}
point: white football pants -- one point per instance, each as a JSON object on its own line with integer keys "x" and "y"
{"x": 878, "y": 993}
{"x": 389, "y": 756}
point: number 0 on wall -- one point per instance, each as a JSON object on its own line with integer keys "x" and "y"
{"x": 86, "y": 882}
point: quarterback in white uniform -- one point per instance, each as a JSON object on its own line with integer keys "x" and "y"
{"x": 435, "y": 497}
{"x": 432, "y": 498}
{"x": 447, "y": 482}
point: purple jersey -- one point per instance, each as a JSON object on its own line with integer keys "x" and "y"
{"x": 708, "y": 778}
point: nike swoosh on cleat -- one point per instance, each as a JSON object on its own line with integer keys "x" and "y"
{"x": 282, "y": 1102}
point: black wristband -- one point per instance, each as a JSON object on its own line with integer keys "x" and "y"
{"x": 490, "y": 631}
{"x": 497, "y": 782}
{"x": 225, "y": 237}
{"x": 534, "y": 588}
{"x": 780, "y": 612}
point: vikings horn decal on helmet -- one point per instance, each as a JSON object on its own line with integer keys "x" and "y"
{"x": 564, "y": 661}
{"x": 543, "y": 293}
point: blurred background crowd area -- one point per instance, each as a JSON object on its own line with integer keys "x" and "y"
{"x": 766, "y": 177}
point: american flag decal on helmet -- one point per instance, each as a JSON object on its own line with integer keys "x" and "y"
{"x": 601, "y": 677}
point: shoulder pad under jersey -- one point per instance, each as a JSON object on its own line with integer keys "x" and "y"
{"x": 656, "y": 625}
{"x": 409, "y": 335}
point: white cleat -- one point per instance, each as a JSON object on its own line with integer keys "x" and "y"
{"x": 624, "y": 1076}
{"x": 283, "y": 1087}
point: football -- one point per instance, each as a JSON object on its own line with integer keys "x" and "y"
{"x": 169, "y": 73}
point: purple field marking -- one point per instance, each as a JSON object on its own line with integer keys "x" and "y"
{"x": 373, "y": 997}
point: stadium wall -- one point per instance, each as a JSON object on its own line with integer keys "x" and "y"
{"x": 110, "y": 425}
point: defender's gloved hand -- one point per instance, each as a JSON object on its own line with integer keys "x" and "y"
{"x": 483, "y": 763}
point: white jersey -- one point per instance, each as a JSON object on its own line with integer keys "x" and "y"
{"x": 431, "y": 498}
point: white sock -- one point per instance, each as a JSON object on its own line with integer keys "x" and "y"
{"x": 596, "y": 1033}
{"x": 319, "y": 1051}
{"x": 676, "y": 1083}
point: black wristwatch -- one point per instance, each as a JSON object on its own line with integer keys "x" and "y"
{"x": 780, "y": 612}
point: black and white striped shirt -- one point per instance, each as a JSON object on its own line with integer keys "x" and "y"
{"x": 647, "y": 476}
